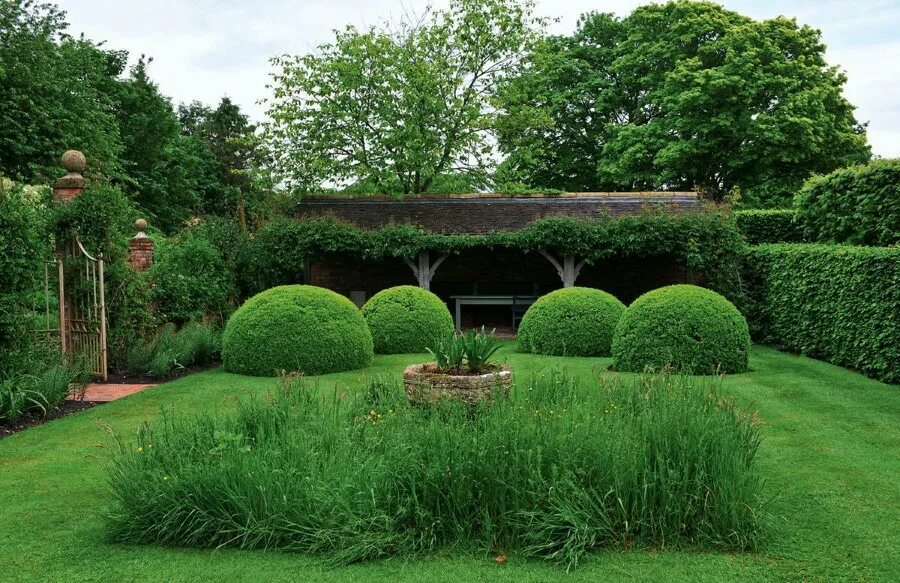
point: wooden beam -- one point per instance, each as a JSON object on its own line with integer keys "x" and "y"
{"x": 568, "y": 271}
{"x": 424, "y": 269}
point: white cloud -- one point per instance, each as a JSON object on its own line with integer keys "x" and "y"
{"x": 204, "y": 49}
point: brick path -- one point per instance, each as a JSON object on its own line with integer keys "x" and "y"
{"x": 102, "y": 393}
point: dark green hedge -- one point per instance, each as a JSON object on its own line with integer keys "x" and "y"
{"x": 859, "y": 205}
{"x": 683, "y": 327}
{"x": 768, "y": 226}
{"x": 707, "y": 243}
{"x": 299, "y": 328}
{"x": 407, "y": 319}
{"x": 575, "y": 321}
{"x": 836, "y": 303}
{"x": 23, "y": 248}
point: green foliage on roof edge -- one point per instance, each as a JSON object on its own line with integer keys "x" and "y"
{"x": 706, "y": 242}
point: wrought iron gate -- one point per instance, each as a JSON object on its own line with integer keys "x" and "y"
{"x": 74, "y": 318}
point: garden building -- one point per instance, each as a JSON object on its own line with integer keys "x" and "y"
{"x": 474, "y": 266}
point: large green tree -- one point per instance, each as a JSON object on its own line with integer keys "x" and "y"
{"x": 54, "y": 94}
{"x": 677, "y": 96}
{"x": 396, "y": 107}
{"x": 231, "y": 139}
{"x": 167, "y": 173}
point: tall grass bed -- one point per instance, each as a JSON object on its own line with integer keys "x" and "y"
{"x": 555, "y": 471}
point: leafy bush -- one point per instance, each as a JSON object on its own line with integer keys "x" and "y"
{"x": 683, "y": 327}
{"x": 170, "y": 349}
{"x": 38, "y": 386}
{"x": 191, "y": 280}
{"x": 275, "y": 255}
{"x": 23, "y": 247}
{"x": 474, "y": 348}
{"x": 406, "y": 319}
{"x": 575, "y": 321}
{"x": 296, "y": 328}
{"x": 837, "y": 303}
{"x": 858, "y": 205}
{"x": 768, "y": 226}
{"x": 557, "y": 470}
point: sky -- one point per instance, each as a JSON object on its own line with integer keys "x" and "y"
{"x": 205, "y": 49}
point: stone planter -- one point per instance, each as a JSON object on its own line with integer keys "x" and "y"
{"x": 424, "y": 384}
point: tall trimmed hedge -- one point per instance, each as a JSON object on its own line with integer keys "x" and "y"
{"x": 407, "y": 318}
{"x": 836, "y": 303}
{"x": 859, "y": 205}
{"x": 760, "y": 226}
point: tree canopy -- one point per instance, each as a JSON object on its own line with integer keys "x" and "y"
{"x": 398, "y": 107}
{"x": 679, "y": 95}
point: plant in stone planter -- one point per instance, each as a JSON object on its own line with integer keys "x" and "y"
{"x": 461, "y": 370}
{"x": 475, "y": 348}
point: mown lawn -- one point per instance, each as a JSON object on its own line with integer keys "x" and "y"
{"x": 831, "y": 453}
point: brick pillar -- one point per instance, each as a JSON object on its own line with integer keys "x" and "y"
{"x": 70, "y": 186}
{"x": 140, "y": 248}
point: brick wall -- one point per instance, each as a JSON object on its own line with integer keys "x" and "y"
{"x": 488, "y": 212}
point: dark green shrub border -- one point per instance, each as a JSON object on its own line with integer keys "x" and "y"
{"x": 768, "y": 226}
{"x": 836, "y": 303}
{"x": 858, "y": 205}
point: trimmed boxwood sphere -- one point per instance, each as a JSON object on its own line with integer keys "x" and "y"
{"x": 684, "y": 327}
{"x": 406, "y": 319}
{"x": 301, "y": 328}
{"x": 573, "y": 321}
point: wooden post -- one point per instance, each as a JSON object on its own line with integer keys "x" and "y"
{"x": 104, "y": 355}
{"x": 568, "y": 271}
{"x": 424, "y": 270}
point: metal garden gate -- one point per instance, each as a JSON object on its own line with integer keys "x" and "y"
{"x": 74, "y": 318}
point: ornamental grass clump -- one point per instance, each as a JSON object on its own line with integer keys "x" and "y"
{"x": 685, "y": 328}
{"x": 557, "y": 470}
{"x": 299, "y": 328}
{"x": 406, "y": 318}
{"x": 574, "y": 321}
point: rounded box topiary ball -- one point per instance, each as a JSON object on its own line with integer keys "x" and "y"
{"x": 573, "y": 321}
{"x": 300, "y": 328}
{"x": 683, "y": 327}
{"x": 406, "y": 319}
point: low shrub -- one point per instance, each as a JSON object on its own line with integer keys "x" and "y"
{"x": 683, "y": 327}
{"x": 575, "y": 321}
{"x": 406, "y": 319}
{"x": 836, "y": 303}
{"x": 557, "y": 470}
{"x": 39, "y": 385}
{"x": 858, "y": 205}
{"x": 475, "y": 349}
{"x": 760, "y": 226}
{"x": 170, "y": 349}
{"x": 296, "y": 328}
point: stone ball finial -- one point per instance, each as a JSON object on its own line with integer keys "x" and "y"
{"x": 140, "y": 225}
{"x": 73, "y": 161}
